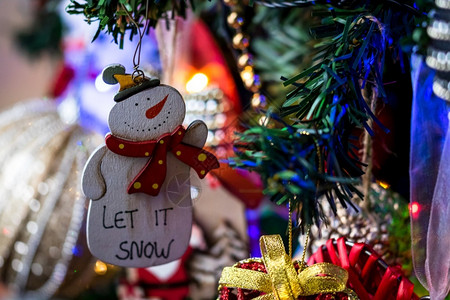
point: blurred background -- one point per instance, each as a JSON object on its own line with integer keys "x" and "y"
{"x": 54, "y": 108}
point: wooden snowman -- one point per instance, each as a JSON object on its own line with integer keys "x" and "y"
{"x": 140, "y": 213}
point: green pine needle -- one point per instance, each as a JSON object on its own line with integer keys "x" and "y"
{"x": 116, "y": 17}
{"x": 325, "y": 102}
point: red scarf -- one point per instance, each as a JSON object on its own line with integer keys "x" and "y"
{"x": 152, "y": 175}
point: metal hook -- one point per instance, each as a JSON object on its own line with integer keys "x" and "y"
{"x": 137, "y": 53}
{"x": 138, "y": 75}
{"x": 425, "y": 298}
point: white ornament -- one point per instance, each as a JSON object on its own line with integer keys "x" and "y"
{"x": 144, "y": 221}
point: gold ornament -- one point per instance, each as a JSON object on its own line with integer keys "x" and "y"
{"x": 245, "y": 60}
{"x": 256, "y": 100}
{"x": 282, "y": 282}
{"x": 240, "y": 41}
{"x": 234, "y": 20}
{"x": 231, "y": 2}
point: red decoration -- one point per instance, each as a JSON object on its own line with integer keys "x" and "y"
{"x": 245, "y": 185}
{"x": 414, "y": 209}
{"x": 146, "y": 285}
{"x": 62, "y": 80}
{"x": 369, "y": 276}
{"x": 154, "y": 172}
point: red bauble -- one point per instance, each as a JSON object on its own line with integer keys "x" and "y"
{"x": 370, "y": 277}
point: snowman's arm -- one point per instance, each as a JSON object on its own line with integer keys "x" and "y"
{"x": 196, "y": 134}
{"x": 92, "y": 181}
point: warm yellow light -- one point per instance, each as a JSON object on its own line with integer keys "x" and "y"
{"x": 384, "y": 185}
{"x": 197, "y": 83}
{"x": 247, "y": 73}
{"x": 262, "y": 120}
{"x": 256, "y": 100}
{"x": 100, "y": 267}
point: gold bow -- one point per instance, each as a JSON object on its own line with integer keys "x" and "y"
{"x": 281, "y": 282}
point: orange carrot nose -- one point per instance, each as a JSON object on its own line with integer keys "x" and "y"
{"x": 155, "y": 110}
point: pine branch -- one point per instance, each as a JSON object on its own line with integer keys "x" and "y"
{"x": 283, "y": 47}
{"x": 116, "y": 17}
{"x": 326, "y": 101}
{"x": 291, "y": 160}
{"x": 45, "y": 33}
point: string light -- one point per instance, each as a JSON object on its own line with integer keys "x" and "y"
{"x": 100, "y": 268}
{"x": 197, "y": 83}
{"x": 256, "y": 100}
{"x": 414, "y": 209}
{"x": 262, "y": 120}
{"x": 384, "y": 185}
{"x": 247, "y": 74}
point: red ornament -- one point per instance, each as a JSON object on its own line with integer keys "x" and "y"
{"x": 62, "y": 80}
{"x": 369, "y": 276}
{"x": 145, "y": 284}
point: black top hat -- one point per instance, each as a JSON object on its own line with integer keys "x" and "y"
{"x": 129, "y": 86}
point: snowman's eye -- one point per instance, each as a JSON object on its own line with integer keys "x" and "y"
{"x": 148, "y": 98}
{"x": 136, "y": 104}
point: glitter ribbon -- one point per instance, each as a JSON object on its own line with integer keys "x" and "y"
{"x": 281, "y": 282}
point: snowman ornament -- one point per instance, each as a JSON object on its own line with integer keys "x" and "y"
{"x": 140, "y": 210}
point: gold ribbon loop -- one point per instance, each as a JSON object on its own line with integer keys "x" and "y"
{"x": 326, "y": 277}
{"x": 280, "y": 268}
{"x": 281, "y": 282}
{"x": 246, "y": 279}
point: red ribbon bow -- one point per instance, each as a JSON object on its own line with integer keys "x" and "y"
{"x": 152, "y": 175}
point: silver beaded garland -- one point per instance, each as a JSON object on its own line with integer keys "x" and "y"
{"x": 438, "y": 54}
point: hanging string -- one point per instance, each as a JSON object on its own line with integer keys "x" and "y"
{"x": 138, "y": 74}
{"x": 308, "y": 227}
{"x": 305, "y": 247}
{"x": 290, "y": 229}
